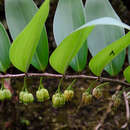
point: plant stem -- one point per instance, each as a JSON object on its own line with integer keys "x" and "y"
{"x": 82, "y": 76}
{"x": 25, "y": 84}
{"x": 41, "y": 85}
{"x": 103, "y": 85}
{"x": 2, "y": 84}
{"x": 70, "y": 86}
{"x": 59, "y": 85}
{"x": 91, "y": 86}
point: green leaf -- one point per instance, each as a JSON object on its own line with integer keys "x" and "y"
{"x": 4, "y": 49}
{"x": 69, "y": 47}
{"x": 18, "y": 14}
{"x": 106, "y": 55}
{"x": 24, "y": 46}
{"x": 127, "y": 74}
{"x": 68, "y": 17}
{"x": 129, "y": 54}
{"x": 102, "y": 36}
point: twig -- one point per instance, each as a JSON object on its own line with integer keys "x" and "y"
{"x": 127, "y": 110}
{"x": 107, "y": 111}
{"x": 104, "y": 116}
{"x": 82, "y": 76}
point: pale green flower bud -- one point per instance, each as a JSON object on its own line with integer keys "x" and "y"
{"x": 86, "y": 98}
{"x": 2, "y": 96}
{"x": 21, "y": 95}
{"x": 97, "y": 92}
{"x": 31, "y": 98}
{"x": 116, "y": 100}
{"x": 68, "y": 94}
{"x": 58, "y": 100}
{"x": 27, "y": 97}
{"x": 7, "y": 94}
{"x": 42, "y": 95}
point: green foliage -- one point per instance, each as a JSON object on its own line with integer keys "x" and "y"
{"x": 18, "y": 15}
{"x": 66, "y": 20}
{"x": 70, "y": 46}
{"x": 21, "y": 53}
{"x": 106, "y": 55}
{"x": 67, "y": 50}
{"x": 127, "y": 74}
{"x": 129, "y": 54}
{"x": 4, "y": 49}
{"x": 102, "y": 36}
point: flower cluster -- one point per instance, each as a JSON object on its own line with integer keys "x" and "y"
{"x": 26, "y": 97}
{"x": 5, "y": 94}
{"x": 59, "y": 99}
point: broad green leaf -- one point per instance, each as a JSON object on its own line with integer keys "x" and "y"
{"x": 69, "y": 47}
{"x": 102, "y": 36}
{"x": 68, "y": 17}
{"x": 129, "y": 54}
{"x": 4, "y": 49}
{"x": 25, "y": 44}
{"x": 127, "y": 74}
{"x": 106, "y": 55}
{"x": 18, "y": 14}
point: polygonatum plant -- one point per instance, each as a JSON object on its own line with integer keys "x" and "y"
{"x": 78, "y": 28}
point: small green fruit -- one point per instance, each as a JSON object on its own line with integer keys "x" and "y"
{"x": 58, "y": 100}
{"x": 7, "y": 94}
{"x": 86, "y": 98}
{"x": 42, "y": 95}
{"x": 2, "y": 96}
{"x": 98, "y": 92}
{"x": 68, "y": 94}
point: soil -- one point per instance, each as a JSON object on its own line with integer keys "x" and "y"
{"x": 72, "y": 116}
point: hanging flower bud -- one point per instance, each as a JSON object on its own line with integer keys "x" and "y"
{"x": 68, "y": 94}
{"x": 24, "y": 95}
{"x": 2, "y": 96}
{"x": 58, "y": 100}
{"x": 31, "y": 98}
{"x": 42, "y": 95}
{"x": 98, "y": 92}
{"x": 21, "y": 95}
{"x": 7, "y": 94}
{"x": 116, "y": 100}
{"x": 86, "y": 98}
{"x": 27, "y": 97}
